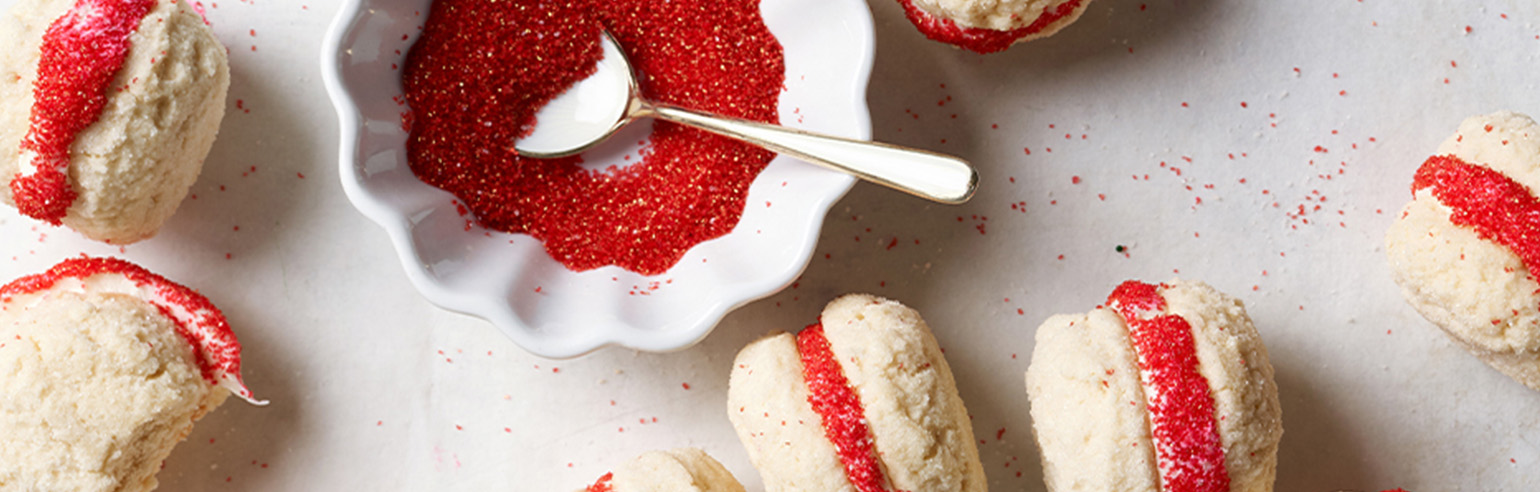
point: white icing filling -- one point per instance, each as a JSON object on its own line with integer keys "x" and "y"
{"x": 25, "y": 166}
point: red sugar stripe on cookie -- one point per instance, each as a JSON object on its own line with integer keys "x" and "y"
{"x": 197, "y": 320}
{"x": 977, "y": 39}
{"x": 1188, "y": 449}
{"x": 844, "y": 422}
{"x": 82, "y": 51}
{"x": 603, "y": 485}
{"x": 1500, "y": 209}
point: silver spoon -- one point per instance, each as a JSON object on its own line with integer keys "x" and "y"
{"x": 600, "y": 105}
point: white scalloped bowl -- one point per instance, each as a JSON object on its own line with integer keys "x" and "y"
{"x": 508, "y": 279}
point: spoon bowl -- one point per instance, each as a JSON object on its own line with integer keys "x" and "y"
{"x": 608, "y": 100}
{"x": 588, "y": 113}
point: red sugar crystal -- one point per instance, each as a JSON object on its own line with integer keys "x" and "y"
{"x": 603, "y": 485}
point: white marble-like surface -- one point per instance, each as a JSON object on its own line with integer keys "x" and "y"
{"x": 375, "y": 389}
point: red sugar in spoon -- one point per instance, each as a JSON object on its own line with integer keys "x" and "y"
{"x": 610, "y": 99}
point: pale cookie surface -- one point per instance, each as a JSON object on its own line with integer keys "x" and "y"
{"x": 1479, "y": 291}
{"x": 674, "y": 470}
{"x": 1088, "y": 409}
{"x": 999, "y": 15}
{"x": 133, "y": 167}
{"x": 1089, "y": 406}
{"x": 95, "y": 390}
{"x": 918, "y": 421}
{"x": 767, "y": 404}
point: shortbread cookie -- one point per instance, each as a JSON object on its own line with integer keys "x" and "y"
{"x": 674, "y": 470}
{"x": 1466, "y": 249}
{"x": 863, "y": 401}
{"x": 1168, "y": 387}
{"x": 103, "y": 369}
{"x": 987, "y": 26}
{"x": 107, "y": 109}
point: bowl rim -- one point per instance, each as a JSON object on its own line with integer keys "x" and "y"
{"x": 499, "y": 311}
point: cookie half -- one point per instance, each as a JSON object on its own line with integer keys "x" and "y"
{"x": 1466, "y": 249}
{"x": 1167, "y": 387}
{"x": 104, "y": 367}
{"x": 862, "y": 401}
{"x": 107, "y": 110}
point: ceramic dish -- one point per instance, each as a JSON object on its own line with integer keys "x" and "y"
{"x": 509, "y": 280}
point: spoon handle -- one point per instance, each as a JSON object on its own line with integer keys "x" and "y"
{"x": 929, "y": 175}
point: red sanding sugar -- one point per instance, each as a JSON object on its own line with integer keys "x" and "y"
{"x": 844, "y": 421}
{"x": 482, "y": 69}
{"x": 603, "y": 485}
{"x": 1183, "y": 428}
{"x": 196, "y": 319}
{"x": 978, "y": 39}
{"x": 81, "y": 53}
{"x": 1500, "y": 209}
